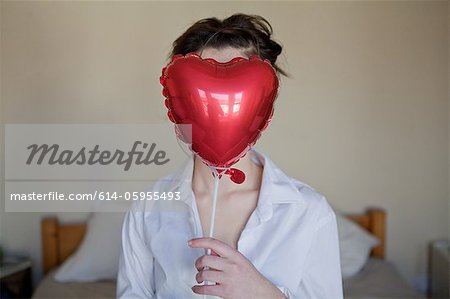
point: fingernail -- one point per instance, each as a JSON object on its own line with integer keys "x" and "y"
{"x": 189, "y": 242}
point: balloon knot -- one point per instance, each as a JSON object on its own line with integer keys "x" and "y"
{"x": 236, "y": 175}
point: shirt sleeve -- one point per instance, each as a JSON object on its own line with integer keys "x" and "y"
{"x": 135, "y": 277}
{"x": 322, "y": 276}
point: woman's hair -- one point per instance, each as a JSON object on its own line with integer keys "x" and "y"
{"x": 249, "y": 32}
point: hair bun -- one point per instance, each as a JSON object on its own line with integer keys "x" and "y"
{"x": 250, "y": 32}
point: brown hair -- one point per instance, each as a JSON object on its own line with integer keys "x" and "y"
{"x": 251, "y": 32}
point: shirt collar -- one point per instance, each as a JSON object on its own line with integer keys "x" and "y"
{"x": 276, "y": 186}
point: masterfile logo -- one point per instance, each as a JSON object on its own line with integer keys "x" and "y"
{"x": 80, "y": 168}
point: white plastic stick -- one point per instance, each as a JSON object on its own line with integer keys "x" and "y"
{"x": 213, "y": 210}
{"x": 213, "y": 217}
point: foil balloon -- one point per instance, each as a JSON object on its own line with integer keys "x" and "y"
{"x": 228, "y": 105}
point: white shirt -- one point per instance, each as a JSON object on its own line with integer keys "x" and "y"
{"x": 291, "y": 238}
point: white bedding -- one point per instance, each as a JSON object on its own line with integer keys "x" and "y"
{"x": 378, "y": 279}
{"x": 49, "y": 288}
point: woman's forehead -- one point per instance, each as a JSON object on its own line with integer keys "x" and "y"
{"x": 223, "y": 54}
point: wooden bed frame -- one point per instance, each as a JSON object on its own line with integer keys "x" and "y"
{"x": 59, "y": 241}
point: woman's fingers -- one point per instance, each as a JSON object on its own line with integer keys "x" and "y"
{"x": 214, "y": 290}
{"x": 218, "y": 267}
{"x": 209, "y": 275}
{"x": 221, "y": 248}
{"x": 210, "y": 261}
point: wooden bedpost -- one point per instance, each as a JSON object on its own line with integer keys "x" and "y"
{"x": 59, "y": 241}
{"x": 50, "y": 252}
{"x": 378, "y": 228}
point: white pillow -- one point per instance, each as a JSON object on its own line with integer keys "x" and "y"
{"x": 355, "y": 245}
{"x": 97, "y": 258}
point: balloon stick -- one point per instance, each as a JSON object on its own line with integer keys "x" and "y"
{"x": 213, "y": 216}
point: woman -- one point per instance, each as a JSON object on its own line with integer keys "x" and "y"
{"x": 275, "y": 237}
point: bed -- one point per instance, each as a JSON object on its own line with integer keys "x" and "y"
{"x": 378, "y": 278}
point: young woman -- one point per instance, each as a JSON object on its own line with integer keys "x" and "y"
{"x": 275, "y": 237}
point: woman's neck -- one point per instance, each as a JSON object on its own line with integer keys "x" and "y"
{"x": 203, "y": 181}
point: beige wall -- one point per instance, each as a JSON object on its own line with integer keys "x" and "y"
{"x": 364, "y": 118}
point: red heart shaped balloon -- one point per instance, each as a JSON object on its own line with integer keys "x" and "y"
{"x": 228, "y": 104}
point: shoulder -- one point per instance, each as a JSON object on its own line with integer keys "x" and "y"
{"x": 316, "y": 204}
{"x": 303, "y": 203}
{"x": 312, "y": 197}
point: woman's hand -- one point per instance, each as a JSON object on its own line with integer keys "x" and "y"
{"x": 235, "y": 275}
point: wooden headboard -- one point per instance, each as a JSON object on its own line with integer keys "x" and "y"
{"x": 59, "y": 241}
{"x": 374, "y": 221}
